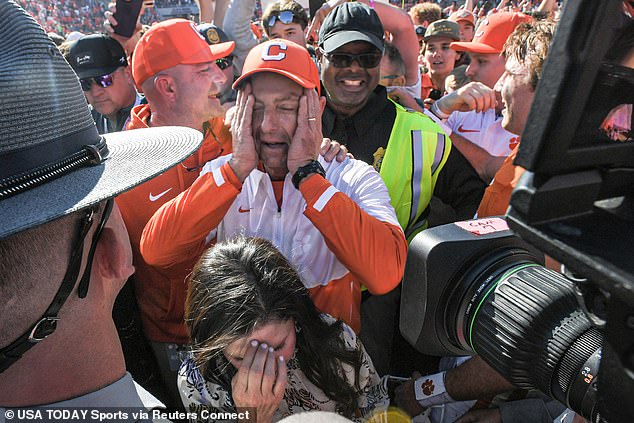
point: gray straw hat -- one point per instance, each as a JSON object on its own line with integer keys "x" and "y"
{"x": 52, "y": 160}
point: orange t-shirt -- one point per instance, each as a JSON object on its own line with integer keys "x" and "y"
{"x": 161, "y": 292}
{"x": 497, "y": 196}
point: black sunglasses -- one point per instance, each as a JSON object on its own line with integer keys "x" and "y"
{"x": 224, "y": 62}
{"x": 285, "y": 16}
{"x": 344, "y": 60}
{"x": 104, "y": 81}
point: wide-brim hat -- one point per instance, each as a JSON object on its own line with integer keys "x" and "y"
{"x": 52, "y": 160}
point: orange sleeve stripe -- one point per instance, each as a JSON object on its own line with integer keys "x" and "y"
{"x": 177, "y": 231}
{"x": 374, "y": 251}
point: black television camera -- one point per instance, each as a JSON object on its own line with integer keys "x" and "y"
{"x": 476, "y": 288}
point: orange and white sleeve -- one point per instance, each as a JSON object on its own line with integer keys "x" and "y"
{"x": 178, "y": 231}
{"x": 361, "y": 231}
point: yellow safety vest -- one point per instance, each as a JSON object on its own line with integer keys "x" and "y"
{"x": 416, "y": 152}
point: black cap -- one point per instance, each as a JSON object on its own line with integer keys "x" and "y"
{"x": 212, "y": 34}
{"x": 348, "y": 22}
{"x": 95, "y": 55}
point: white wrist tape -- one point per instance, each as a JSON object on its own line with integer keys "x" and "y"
{"x": 436, "y": 110}
{"x": 430, "y": 390}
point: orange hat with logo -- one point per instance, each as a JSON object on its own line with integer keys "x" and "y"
{"x": 462, "y": 15}
{"x": 282, "y": 57}
{"x": 170, "y": 43}
{"x": 492, "y": 33}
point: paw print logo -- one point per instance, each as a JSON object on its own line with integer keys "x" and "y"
{"x": 513, "y": 142}
{"x": 428, "y": 387}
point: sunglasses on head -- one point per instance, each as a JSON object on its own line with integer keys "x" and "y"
{"x": 285, "y": 16}
{"x": 104, "y": 81}
{"x": 344, "y": 60}
{"x": 224, "y": 62}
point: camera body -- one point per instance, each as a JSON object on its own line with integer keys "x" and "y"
{"x": 439, "y": 265}
{"x": 467, "y": 292}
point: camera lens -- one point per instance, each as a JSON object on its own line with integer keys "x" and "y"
{"x": 528, "y": 325}
{"x": 466, "y": 294}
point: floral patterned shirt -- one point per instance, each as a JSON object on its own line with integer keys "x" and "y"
{"x": 301, "y": 394}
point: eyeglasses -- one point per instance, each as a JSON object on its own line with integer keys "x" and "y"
{"x": 104, "y": 81}
{"x": 285, "y": 16}
{"x": 344, "y": 60}
{"x": 224, "y": 62}
{"x": 389, "y": 76}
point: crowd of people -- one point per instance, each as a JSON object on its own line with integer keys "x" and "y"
{"x": 244, "y": 204}
{"x": 64, "y": 17}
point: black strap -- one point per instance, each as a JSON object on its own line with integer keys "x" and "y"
{"x": 82, "y": 291}
{"x": 47, "y": 324}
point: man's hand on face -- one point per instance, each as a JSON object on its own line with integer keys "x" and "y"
{"x": 245, "y": 156}
{"x": 473, "y": 96}
{"x": 307, "y": 139}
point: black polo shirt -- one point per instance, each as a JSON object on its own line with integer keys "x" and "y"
{"x": 366, "y": 132}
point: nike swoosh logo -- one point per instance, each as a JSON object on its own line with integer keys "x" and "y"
{"x": 461, "y": 129}
{"x": 156, "y": 197}
{"x": 241, "y": 210}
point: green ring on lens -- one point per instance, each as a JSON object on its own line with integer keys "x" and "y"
{"x": 505, "y": 275}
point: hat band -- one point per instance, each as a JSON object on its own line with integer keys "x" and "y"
{"x": 89, "y": 155}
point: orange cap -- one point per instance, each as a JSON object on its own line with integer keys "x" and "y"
{"x": 170, "y": 43}
{"x": 283, "y": 57}
{"x": 462, "y": 15}
{"x": 492, "y": 33}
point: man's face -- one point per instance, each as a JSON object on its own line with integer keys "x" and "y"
{"x": 198, "y": 88}
{"x": 485, "y": 68}
{"x": 467, "y": 31}
{"x": 274, "y": 119}
{"x": 517, "y": 96}
{"x": 292, "y": 32}
{"x": 439, "y": 56}
{"x": 389, "y": 75}
{"x": 108, "y": 101}
{"x": 225, "y": 87}
{"x": 348, "y": 88}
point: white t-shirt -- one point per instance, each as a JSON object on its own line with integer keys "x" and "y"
{"x": 484, "y": 130}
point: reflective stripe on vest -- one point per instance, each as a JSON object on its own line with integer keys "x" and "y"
{"x": 415, "y": 154}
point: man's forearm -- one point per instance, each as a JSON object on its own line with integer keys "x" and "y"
{"x": 475, "y": 379}
{"x": 484, "y": 163}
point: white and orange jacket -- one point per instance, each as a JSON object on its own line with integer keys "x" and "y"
{"x": 339, "y": 232}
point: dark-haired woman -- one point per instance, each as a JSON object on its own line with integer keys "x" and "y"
{"x": 258, "y": 341}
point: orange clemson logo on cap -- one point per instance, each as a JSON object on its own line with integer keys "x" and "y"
{"x": 269, "y": 54}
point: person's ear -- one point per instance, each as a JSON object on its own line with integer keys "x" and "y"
{"x": 127, "y": 71}
{"x": 164, "y": 84}
{"x": 322, "y": 103}
{"x": 113, "y": 255}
